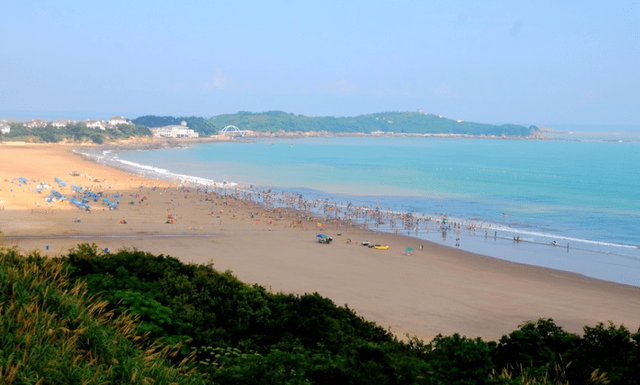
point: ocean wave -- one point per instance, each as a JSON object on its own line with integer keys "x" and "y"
{"x": 564, "y": 238}
{"x": 143, "y": 166}
{"x": 112, "y": 158}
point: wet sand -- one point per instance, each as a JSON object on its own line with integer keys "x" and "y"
{"x": 434, "y": 290}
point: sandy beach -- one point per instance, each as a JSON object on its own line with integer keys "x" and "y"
{"x": 434, "y": 290}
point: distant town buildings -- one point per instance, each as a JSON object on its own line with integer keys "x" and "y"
{"x": 116, "y": 120}
{"x": 174, "y": 131}
{"x": 62, "y": 123}
{"x": 96, "y": 124}
{"x": 5, "y": 128}
{"x": 37, "y": 123}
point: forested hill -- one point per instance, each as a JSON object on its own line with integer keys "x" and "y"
{"x": 397, "y": 122}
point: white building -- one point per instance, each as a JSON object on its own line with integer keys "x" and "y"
{"x": 96, "y": 124}
{"x": 62, "y": 123}
{"x": 174, "y": 131}
{"x": 5, "y": 128}
{"x": 114, "y": 121}
{"x": 37, "y": 123}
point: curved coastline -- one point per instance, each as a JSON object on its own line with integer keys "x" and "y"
{"x": 586, "y": 257}
{"x": 434, "y": 290}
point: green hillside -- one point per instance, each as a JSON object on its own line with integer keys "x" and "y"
{"x": 90, "y": 316}
{"x": 398, "y": 122}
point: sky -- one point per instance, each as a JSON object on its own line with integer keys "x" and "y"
{"x": 524, "y": 62}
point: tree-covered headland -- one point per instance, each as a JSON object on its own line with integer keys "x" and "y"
{"x": 396, "y": 122}
{"x": 96, "y": 317}
{"x": 272, "y": 122}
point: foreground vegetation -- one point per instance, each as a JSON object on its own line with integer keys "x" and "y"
{"x": 53, "y": 332}
{"x": 72, "y": 318}
{"x": 398, "y": 122}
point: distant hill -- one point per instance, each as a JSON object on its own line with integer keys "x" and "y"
{"x": 397, "y": 122}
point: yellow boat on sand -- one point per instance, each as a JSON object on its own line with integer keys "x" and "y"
{"x": 380, "y": 247}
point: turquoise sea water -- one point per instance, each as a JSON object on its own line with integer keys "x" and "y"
{"x": 585, "y": 194}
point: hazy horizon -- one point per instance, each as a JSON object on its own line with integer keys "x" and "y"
{"x": 530, "y": 63}
{"x": 23, "y": 116}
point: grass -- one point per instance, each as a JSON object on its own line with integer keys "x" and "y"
{"x": 51, "y": 332}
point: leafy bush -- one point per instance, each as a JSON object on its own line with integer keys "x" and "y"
{"x": 243, "y": 334}
{"x": 52, "y": 331}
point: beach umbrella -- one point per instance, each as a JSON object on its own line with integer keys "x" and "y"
{"x": 409, "y": 250}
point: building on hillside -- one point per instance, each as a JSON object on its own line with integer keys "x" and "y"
{"x": 37, "y": 123}
{"x": 62, "y": 123}
{"x": 116, "y": 120}
{"x": 96, "y": 124}
{"x": 5, "y": 128}
{"x": 174, "y": 131}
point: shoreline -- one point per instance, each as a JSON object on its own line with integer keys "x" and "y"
{"x": 435, "y": 290}
{"x": 535, "y": 248}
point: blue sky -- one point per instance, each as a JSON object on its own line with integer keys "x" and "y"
{"x": 542, "y": 62}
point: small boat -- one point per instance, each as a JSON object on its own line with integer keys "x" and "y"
{"x": 380, "y": 247}
{"x": 365, "y": 243}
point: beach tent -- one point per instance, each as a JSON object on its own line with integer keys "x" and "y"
{"x": 91, "y": 195}
{"x": 23, "y": 180}
{"x": 112, "y": 205}
{"x": 323, "y": 239}
{"x": 55, "y": 194}
{"x": 79, "y": 204}
{"x": 60, "y": 182}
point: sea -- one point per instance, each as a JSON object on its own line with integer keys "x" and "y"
{"x": 570, "y": 203}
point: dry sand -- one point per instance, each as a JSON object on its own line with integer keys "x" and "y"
{"x": 435, "y": 290}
